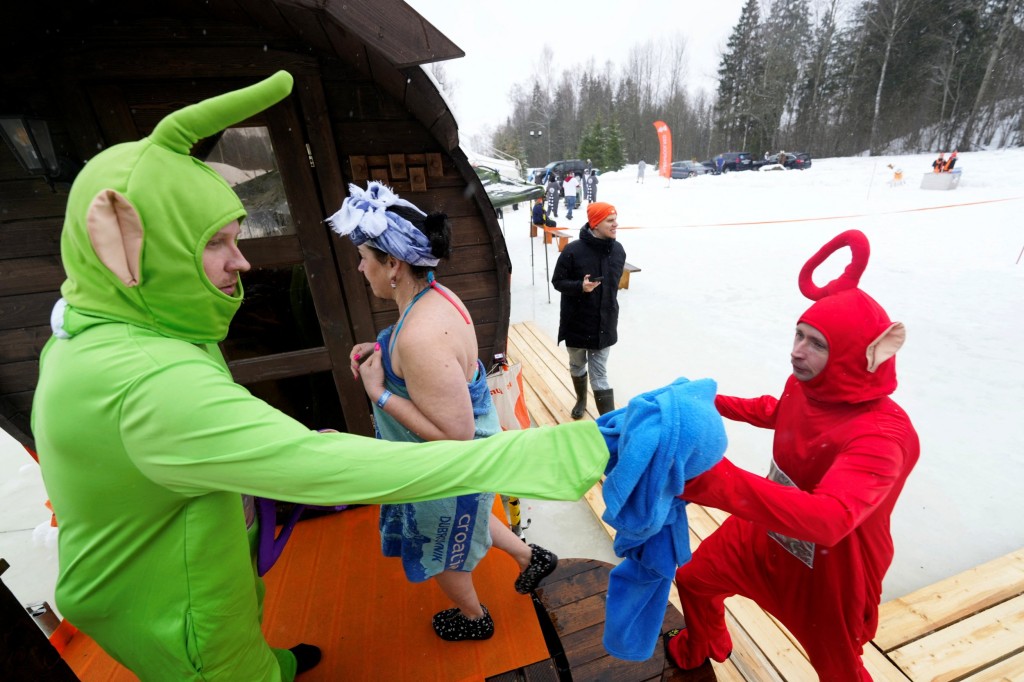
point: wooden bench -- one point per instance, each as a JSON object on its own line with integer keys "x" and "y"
{"x": 561, "y": 234}
{"x": 967, "y": 627}
{"x": 627, "y": 270}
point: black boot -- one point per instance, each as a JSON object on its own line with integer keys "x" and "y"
{"x": 580, "y": 384}
{"x": 605, "y": 400}
{"x": 306, "y": 657}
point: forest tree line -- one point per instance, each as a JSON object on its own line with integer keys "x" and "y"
{"x": 831, "y": 77}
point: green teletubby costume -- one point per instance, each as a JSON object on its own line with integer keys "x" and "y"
{"x": 146, "y": 442}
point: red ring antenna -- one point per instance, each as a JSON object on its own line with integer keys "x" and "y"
{"x": 858, "y": 244}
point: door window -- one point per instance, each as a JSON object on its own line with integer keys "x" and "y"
{"x": 244, "y": 157}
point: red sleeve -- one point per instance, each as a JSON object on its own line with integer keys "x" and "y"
{"x": 756, "y": 411}
{"x": 859, "y": 480}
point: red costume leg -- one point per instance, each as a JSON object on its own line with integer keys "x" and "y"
{"x": 826, "y": 610}
{"x": 830, "y": 617}
{"x": 719, "y": 569}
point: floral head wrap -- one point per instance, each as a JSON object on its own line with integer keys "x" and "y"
{"x": 364, "y": 217}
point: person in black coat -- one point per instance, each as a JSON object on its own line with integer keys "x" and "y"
{"x": 587, "y": 275}
{"x": 591, "y": 181}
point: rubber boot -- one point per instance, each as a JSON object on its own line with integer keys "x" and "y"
{"x": 605, "y": 400}
{"x": 580, "y": 384}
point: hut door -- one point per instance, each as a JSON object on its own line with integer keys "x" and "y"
{"x": 290, "y": 340}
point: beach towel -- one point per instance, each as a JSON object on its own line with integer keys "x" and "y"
{"x": 657, "y": 442}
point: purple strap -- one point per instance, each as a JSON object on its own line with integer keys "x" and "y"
{"x": 269, "y": 548}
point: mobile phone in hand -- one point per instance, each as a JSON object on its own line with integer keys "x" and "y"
{"x": 596, "y": 279}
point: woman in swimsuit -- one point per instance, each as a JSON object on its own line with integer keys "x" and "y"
{"x": 426, "y": 384}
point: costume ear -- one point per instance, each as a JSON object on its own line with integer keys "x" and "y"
{"x": 886, "y": 345}
{"x": 115, "y": 231}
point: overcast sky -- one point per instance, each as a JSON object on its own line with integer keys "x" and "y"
{"x": 503, "y": 42}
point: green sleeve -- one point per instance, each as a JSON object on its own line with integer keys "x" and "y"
{"x": 189, "y": 427}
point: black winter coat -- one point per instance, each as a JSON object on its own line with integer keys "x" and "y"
{"x": 589, "y": 320}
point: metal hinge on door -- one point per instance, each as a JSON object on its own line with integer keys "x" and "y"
{"x": 309, "y": 155}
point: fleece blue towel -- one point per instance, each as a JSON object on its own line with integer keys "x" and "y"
{"x": 659, "y": 441}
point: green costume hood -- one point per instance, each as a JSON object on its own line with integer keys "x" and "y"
{"x": 139, "y": 216}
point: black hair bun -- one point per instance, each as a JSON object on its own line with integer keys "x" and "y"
{"x": 439, "y": 232}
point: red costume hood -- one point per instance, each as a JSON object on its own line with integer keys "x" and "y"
{"x": 862, "y": 340}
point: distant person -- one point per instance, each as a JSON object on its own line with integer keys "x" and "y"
{"x": 640, "y": 167}
{"x": 782, "y": 158}
{"x": 587, "y": 275}
{"x": 571, "y": 188}
{"x": 427, "y": 384}
{"x": 592, "y": 187}
{"x": 540, "y": 216}
{"x": 810, "y": 542}
{"x": 588, "y": 169}
{"x": 720, "y": 162}
{"x": 553, "y": 189}
{"x": 950, "y": 163}
{"x": 939, "y": 164}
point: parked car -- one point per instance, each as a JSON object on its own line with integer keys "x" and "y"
{"x": 560, "y": 168}
{"x": 794, "y": 160}
{"x": 736, "y": 161}
{"x": 534, "y": 175}
{"x": 688, "y": 169}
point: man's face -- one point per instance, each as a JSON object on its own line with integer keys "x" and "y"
{"x": 810, "y": 352}
{"x": 607, "y": 228}
{"x": 222, "y": 261}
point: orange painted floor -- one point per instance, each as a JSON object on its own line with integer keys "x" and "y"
{"x": 372, "y": 624}
{"x": 331, "y": 587}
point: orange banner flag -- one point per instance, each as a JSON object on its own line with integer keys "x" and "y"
{"x": 665, "y": 149}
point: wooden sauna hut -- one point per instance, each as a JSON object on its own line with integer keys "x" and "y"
{"x": 80, "y": 77}
{"x": 88, "y": 75}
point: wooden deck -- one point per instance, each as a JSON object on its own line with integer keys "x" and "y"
{"x": 968, "y": 627}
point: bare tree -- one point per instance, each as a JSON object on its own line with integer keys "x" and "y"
{"x": 993, "y": 59}
{"x": 889, "y": 18}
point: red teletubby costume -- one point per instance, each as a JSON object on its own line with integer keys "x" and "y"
{"x": 810, "y": 542}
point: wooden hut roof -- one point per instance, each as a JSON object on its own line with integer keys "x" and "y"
{"x": 105, "y": 71}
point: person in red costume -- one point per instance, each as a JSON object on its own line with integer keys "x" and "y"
{"x": 810, "y": 542}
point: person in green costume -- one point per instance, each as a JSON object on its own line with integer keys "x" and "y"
{"x": 146, "y": 443}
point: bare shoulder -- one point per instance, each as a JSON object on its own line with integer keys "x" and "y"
{"x": 436, "y": 332}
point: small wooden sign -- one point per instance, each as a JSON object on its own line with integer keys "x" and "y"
{"x": 397, "y": 164}
{"x": 418, "y": 178}
{"x": 435, "y": 168}
{"x": 358, "y": 166}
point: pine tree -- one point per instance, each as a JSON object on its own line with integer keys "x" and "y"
{"x": 786, "y": 34}
{"x": 737, "y": 75}
{"x": 613, "y": 157}
{"x": 592, "y": 145}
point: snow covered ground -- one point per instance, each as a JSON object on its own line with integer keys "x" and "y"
{"x": 717, "y": 297}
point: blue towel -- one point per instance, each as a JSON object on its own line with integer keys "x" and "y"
{"x": 659, "y": 441}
